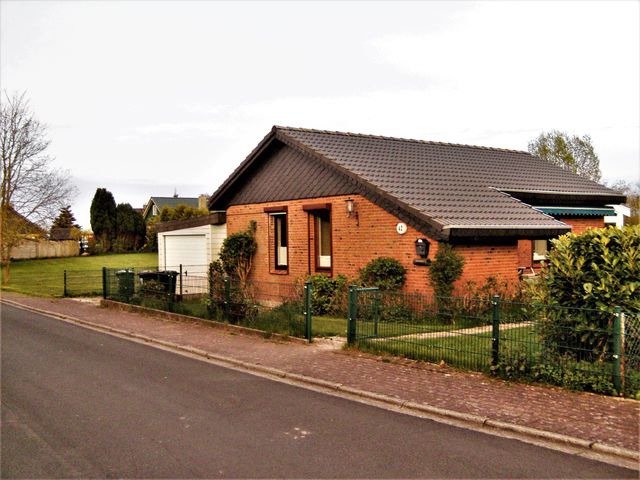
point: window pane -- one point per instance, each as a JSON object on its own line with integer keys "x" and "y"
{"x": 325, "y": 237}
{"x": 323, "y": 231}
{"x": 280, "y": 239}
{"x": 540, "y": 249}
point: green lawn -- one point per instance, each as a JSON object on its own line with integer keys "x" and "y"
{"x": 45, "y": 277}
{"x": 466, "y": 351}
{"x": 325, "y": 326}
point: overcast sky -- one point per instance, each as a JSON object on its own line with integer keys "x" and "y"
{"x": 146, "y": 97}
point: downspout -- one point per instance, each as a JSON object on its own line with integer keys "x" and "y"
{"x": 308, "y": 243}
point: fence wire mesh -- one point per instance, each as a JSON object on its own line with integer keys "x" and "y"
{"x": 272, "y": 307}
{"x": 570, "y": 347}
{"x": 268, "y": 306}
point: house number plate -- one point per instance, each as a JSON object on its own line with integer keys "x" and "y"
{"x": 401, "y": 228}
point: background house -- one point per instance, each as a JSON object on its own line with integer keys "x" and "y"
{"x": 155, "y": 204}
{"x": 328, "y": 202}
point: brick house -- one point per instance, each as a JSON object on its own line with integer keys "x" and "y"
{"x": 328, "y": 202}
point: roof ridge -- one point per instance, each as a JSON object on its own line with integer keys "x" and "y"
{"x": 399, "y": 139}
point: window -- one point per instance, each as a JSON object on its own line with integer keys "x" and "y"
{"x": 323, "y": 239}
{"x": 540, "y": 250}
{"x": 280, "y": 240}
{"x": 154, "y": 210}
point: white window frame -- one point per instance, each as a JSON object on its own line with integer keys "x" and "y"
{"x": 324, "y": 261}
{"x": 281, "y": 261}
{"x": 540, "y": 253}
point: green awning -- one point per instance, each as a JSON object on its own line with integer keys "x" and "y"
{"x": 580, "y": 211}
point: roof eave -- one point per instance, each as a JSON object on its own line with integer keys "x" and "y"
{"x": 530, "y": 232}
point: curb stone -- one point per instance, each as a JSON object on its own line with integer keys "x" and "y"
{"x": 469, "y": 419}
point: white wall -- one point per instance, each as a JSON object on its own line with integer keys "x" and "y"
{"x": 183, "y": 253}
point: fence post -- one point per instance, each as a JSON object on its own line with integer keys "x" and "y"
{"x": 307, "y": 311}
{"x": 180, "y": 282}
{"x": 227, "y": 296}
{"x": 353, "y": 312}
{"x": 617, "y": 351}
{"x": 376, "y": 312}
{"x": 104, "y": 282}
{"x": 64, "y": 291}
{"x": 495, "y": 331}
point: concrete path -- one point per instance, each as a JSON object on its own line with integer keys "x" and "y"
{"x": 599, "y": 421}
{"x": 455, "y": 333}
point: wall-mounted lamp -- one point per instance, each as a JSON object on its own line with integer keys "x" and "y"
{"x": 351, "y": 210}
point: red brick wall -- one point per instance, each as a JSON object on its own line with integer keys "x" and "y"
{"x": 482, "y": 261}
{"x": 525, "y": 253}
{"x": 354, "y": 245}
{"x": 579, "y": 225}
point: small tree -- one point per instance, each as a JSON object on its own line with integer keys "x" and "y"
{"x": 237, "y": 253}
{"x": 103, "y": 217}
{"x": 445, "y": 269}
{"x": 130, "y": 228}
{"x": 65, "y": 219}
{"x": 31, "y": 191}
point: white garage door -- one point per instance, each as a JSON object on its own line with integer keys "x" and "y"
{"x": 188, "y": 250}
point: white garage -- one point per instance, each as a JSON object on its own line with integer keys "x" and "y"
{"x": 190, "y": 246}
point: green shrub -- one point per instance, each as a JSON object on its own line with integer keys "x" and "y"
{"x": 236, "y": 253}
{"x": 285, "y": 319}
{"x": 385, "y": 273}
{"x": 587, "y": 277}
{"x": 397, "y": 313}
{"x": 558, "y": 370}
{"x": 445, "y": 269}
{"x": 328, "y": 295}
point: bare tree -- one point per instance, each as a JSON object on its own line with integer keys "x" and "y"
{"x": 32, "y": 191}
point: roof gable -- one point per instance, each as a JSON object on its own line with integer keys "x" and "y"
{"x": 295, "y": 174}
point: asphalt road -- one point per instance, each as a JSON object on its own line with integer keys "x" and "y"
{"x": 76, "y": 403}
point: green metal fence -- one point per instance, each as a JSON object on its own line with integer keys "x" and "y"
{"x": 272, "y": 307}
{"x": 67, "y": 283}
{"x": 80, "y": 283}
{"x": 577, "y": 348}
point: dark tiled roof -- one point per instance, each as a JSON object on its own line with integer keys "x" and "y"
{"x": 457, "y": 190}
{"x": 173, "y": 202}
{"x": 458, "y": 186}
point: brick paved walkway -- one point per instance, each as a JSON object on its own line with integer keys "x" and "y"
{"x": 596, "y": 418}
